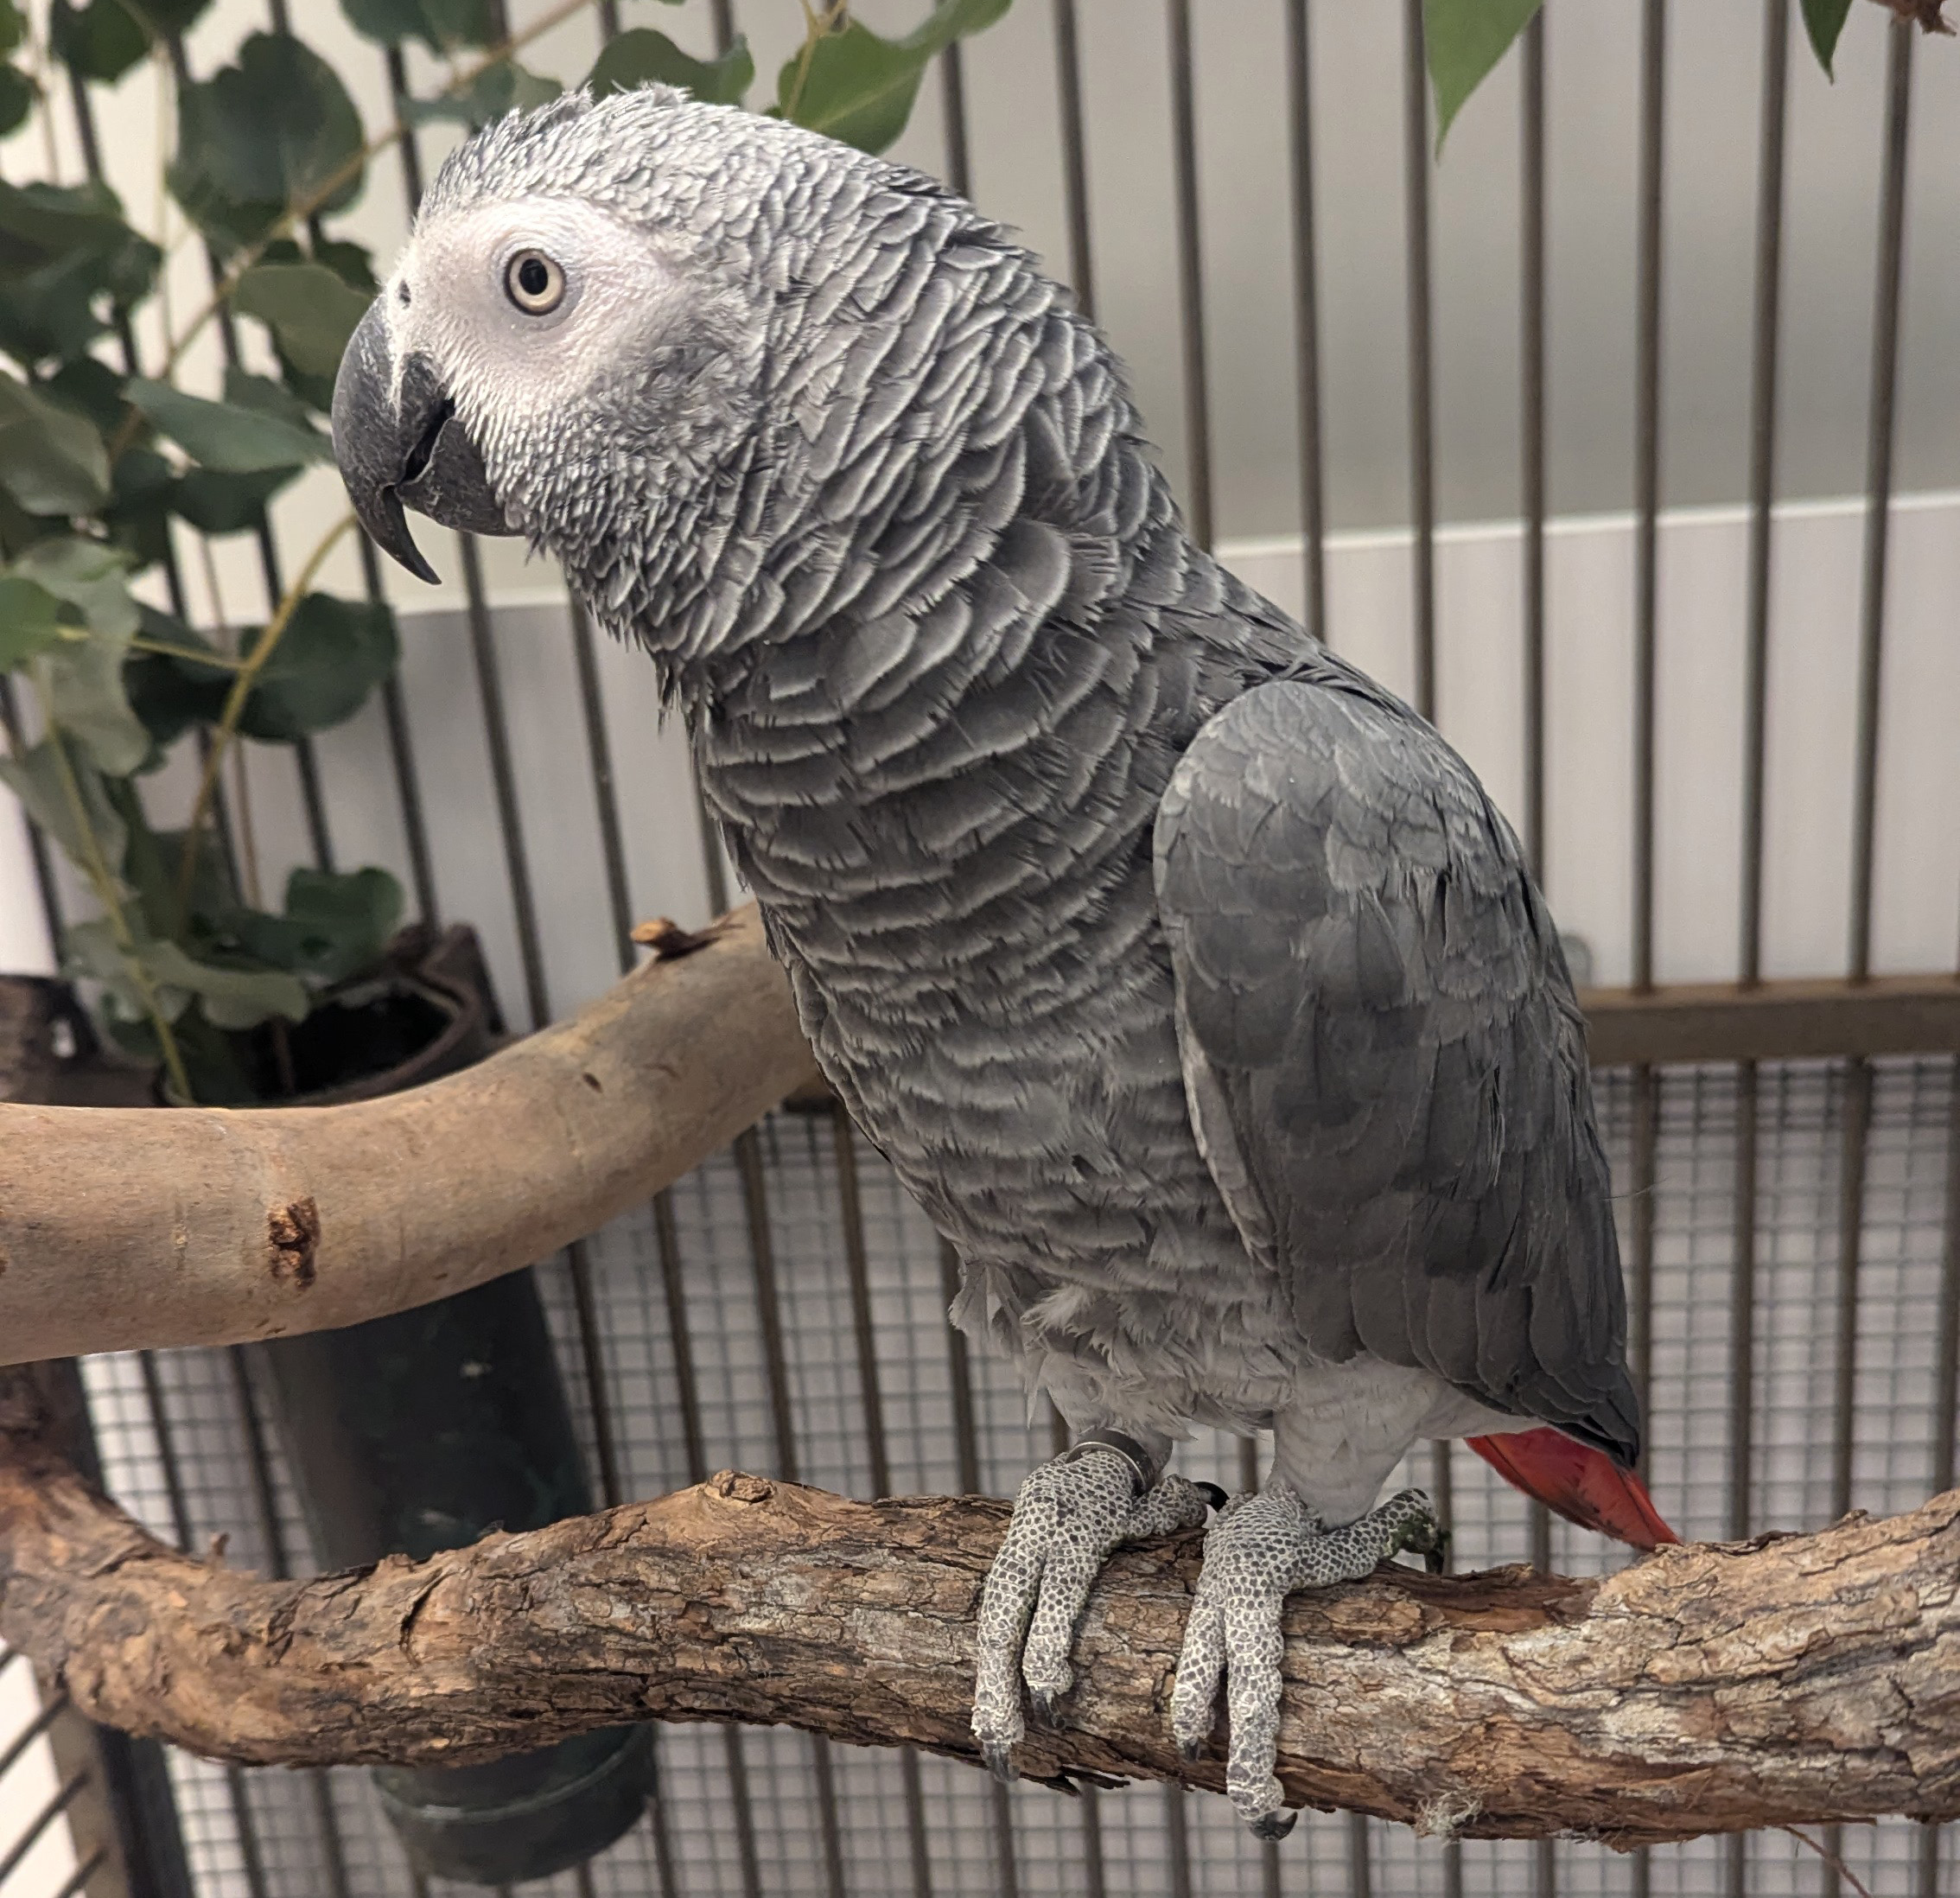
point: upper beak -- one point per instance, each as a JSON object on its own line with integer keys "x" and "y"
{"x": 400, "y": 443}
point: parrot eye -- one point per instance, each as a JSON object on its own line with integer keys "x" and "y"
{"x": 534, "y": 283}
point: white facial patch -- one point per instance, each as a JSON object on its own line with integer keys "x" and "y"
{"x": 504, "y": 366}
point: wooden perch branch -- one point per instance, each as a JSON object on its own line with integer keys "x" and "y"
{"x": 1708, "y": 1689}
{"x": 125, "y": 1227}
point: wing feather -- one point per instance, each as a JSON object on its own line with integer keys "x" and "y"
{"x": 1384, "y": 1061}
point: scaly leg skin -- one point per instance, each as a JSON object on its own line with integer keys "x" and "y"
{"x": 1068, "y": 1516}
{"x": 1260, "y": 1549}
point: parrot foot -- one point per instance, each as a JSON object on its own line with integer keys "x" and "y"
{"x": 1259, "y": 1550}
{"x": 1069, "y": 1515}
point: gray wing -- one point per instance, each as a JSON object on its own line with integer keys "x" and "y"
{"x": 1385, "y": 1064}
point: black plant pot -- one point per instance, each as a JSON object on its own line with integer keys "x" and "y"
{"x": 424, "y": 1431}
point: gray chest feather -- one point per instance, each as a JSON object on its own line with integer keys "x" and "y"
{"x": 951, "y": 839}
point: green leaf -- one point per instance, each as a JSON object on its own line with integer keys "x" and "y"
{"x": 232, "y": 998}
{"x": 51, "y": 461}
{"x": 105, "y": 38}
{"x": 1823, "y": 20}
{"x": 334, "y": 927}
{"x": 262, "y": 134}
{"x": 30, "y": 621}
{"x": 68, "y": 260}
{"x": 229, "y": 436}
{"x": 351, "y": 262}
{"x": 633, "y": 59}
{"x": 35, "y": 778}
{"x": 85, "y": 676}
{"x": 440, "y": 25}
{"x": 953, "y": 20}
{"x": 13, "y": 26}
{"x": 137, "y": 513}
{"x": 332, "y": 653}
{"x": 215, "y": 503}
{"x": 1464, "y": 39}
{"x": 504, "y": 87}
{"x": 17, "y": 95}
{"x": 170, "y": 695}
{"x": 309, "y": 308}
{"x": 90, "y": 952}
{"x": 91, "y": 578}
{"x": 859, "y": 87}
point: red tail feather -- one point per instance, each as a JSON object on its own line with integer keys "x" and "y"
{"x": 1584, "y": 1486}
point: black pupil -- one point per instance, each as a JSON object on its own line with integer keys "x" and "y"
{"x": 534, "y": 278}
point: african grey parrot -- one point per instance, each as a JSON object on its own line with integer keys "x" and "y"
{"x": 1188, "y": 979}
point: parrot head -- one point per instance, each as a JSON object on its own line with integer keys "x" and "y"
{"x": 572, "y": 345}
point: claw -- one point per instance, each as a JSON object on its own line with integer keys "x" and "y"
{"x": 1042, "y": 1703}
{"x": 1436, "y": 1558}
{"x": 1213, "y": 1495}
{"x": 1000, "y": 1760}
{"x": 1190, "y": 1750}
{"x": 1275, "y": 1825}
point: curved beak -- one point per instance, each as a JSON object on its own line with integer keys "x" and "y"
{"x": 400, "y": 444}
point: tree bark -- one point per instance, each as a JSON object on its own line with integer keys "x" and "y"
{"x": 126, "y": 1228}
{"x": 1706, "y": 1689}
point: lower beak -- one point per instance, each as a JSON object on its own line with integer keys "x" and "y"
{"x": 400, "y": 443}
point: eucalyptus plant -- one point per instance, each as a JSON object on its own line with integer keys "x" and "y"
{"x": 98, "y": 684}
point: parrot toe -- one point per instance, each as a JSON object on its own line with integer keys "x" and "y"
{"x": 1257, "y": 1552}
{"x": 1069, "y": 1515}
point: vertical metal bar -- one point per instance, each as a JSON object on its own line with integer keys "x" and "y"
{"x": 1422, "y": 419}
{"x": 1762, "y": 471}
{"x": 1306, "y": 318}
{"x": 1850, "y": 1236}
{"x": 1946, "y": 1364}
{"x": 966, "y": 1447}
{"x": 278, "y": 1557}
{"x": 248, "y": 1855}
{"x": 1532, "y": 446}
{"x": 687, "y": 1387}
{"x": 401, "y": 757}
{"x": 1877, "y": 485}
{"x": 605, "y": 790}
{"x": 722, "y": 12}
{"x": 1642, "y": 1188}
{"x": 1075, "y": 161}
{"x": 503, "y": 779}
{"x": 1190, "y": 278}
{"x": 857, "y": 1264}
{"x": 966, "y": 1438}
{"x": 1946, "y": 1400}
{"x": 877, "y": 1451}
{"x": 1647, "y": 503}
{"x": 1177, "y": 1834}
{"x": 1743, "y": 1305}
{"x": 1646, "y": 473}
{"x": 1532, "y": 487}
{"x": 1871, "y": 652}
{"x": 952, "y": 106}
{"x": 1361, "y": 1872}
{"x": 1762, "y": 484}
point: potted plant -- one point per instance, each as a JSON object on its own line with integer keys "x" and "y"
{"x": 420, "y": 1431}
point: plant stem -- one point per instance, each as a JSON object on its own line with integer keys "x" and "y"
{"x": 223, "y": 661}
{"x": 815, "y": 27}
{"x": 95, "y": 867}
{"x": 242, "y": 683}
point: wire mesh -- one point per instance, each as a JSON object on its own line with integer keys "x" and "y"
{"x": 1789, "y": 1228}
{"x": 261, "y": 1832}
